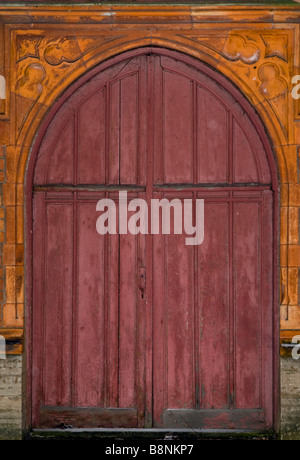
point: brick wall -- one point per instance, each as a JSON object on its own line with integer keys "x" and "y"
{"x": 290, "y": 245}
{"x": 2, "y": 227}
{"x": 11, "y": 250}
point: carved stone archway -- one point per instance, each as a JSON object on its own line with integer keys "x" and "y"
{"x": 46, "y": 49}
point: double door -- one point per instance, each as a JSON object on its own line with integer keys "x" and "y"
{"x": 144, "y": 330}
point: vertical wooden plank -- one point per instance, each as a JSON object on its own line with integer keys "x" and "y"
{"x": 144, "y": 301}
{"x": 177, "y": 128}
{"x": 129, "y": 129}
{"x": 267, "y": 302}
{"x": 214, "y": 307}
{"x": 90, "y": 358}
{"x": 180, "y": 371}
{"x": 91, "y": 139}
{"x": 231, "y": 332}
{"x": 127, "y": 320}
{"x": 114, "y": 132}
{"x": 179, "y": 315}
{"x": 38, "y": 256}
{"x": 151, "y": 69}
{"x": 159, "y": 330}
{"x": 173, "y": 323}
{"x": 127, "y": 114}
{"x": 60, "y": 165}
{"x": 144, "y": 124}
{"x": 247, "y": 276}
{"x": 212, "y": 139}
{"x": 157, "y": 98}
{"x": 58, "y": 303}
{"x": 112, "y": 319}
{"x": 244, "y": 161}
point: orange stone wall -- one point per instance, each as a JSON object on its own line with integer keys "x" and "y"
{"x": 43, "y": 49}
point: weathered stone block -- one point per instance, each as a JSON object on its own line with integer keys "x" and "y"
{"x": 290, "y": 398}
{"x": 11, "y": 397}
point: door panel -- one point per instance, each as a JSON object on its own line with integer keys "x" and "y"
{"x": 177, "y": 124}
{"x": 91, "y": 122}
{"x": 92, "y": 316}
{"x": 60, "y": 169}
{"x": 144, "y": 330}
{"x": 89, "y": 289}
{"x": 207, "y": 360}
{"x": 213, "y": 289}
{"x": 212, "y": 138}
{"x": 247, "y": 275}
{"x": 99, "y": 136}
{"x": 58, "y": 258}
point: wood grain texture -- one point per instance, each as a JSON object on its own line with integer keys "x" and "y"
{"x": 110, "y": 309}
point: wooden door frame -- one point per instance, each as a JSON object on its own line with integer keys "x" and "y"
{"x": 28, "y": 227}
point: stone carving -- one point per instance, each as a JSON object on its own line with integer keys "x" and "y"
{"x": 28, "y": 46}
{"x": 245, "y": 49}
{"x": 68, "y": 49}
{"x": 233, "y": 47}
{"x": 58, "y": 53}
{"x": 272, "y": 84}
{"x": 237, "y": 48}
{"x": 276, "y": 46}
{"x": 275, "y": 89}
{"x": 30, "y": 85}
{"x": 28, "y": 88}
{"x": 65, "y": 50}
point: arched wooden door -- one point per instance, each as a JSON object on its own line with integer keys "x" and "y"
{"x": 144, "y": 330}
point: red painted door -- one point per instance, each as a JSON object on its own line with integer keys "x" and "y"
{"x": 145, "y": 330}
